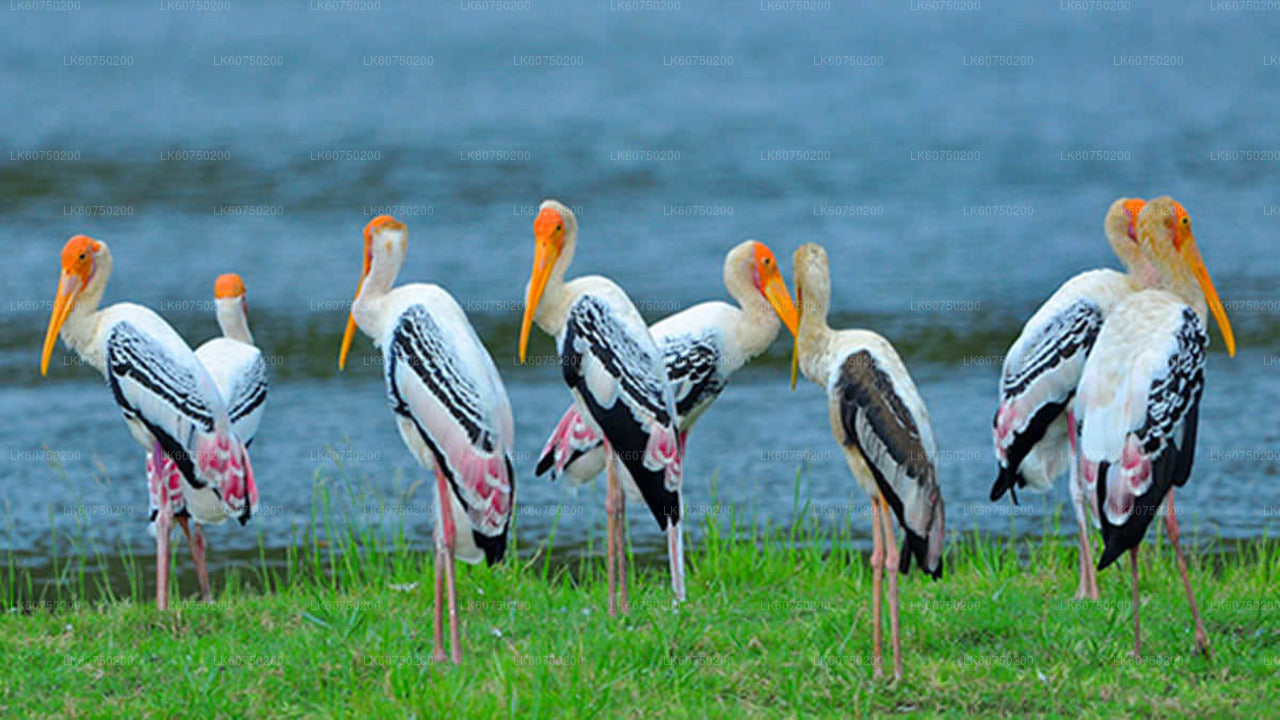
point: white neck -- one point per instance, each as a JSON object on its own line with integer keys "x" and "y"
{"x": 553, "y": 308}
{"x": 367, "y": 308}
{"x": 233, "y": 319}
{"x": 815, "y": 337}
{"x": 757, "y": 326}
{"x": 81, "y": 327}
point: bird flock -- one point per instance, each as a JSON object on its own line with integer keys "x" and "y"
{"x": 1103, "y": 385}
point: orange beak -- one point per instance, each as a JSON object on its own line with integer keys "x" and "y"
{"x": 1191, "y": 255}
{"x": 350, "y": 333}
{"x": 546, "y": 252}
{"x": 69, "y": 287}
{"x": 774, "y": 288}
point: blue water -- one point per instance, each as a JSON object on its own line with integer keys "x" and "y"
{"x": 921, "y": 229}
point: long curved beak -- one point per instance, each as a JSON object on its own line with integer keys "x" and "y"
{"x": 350, "y": 333}
{"x": 775, "y": 291}
{"x": 544, "y": 259}
{"x": 1191, "y": 255}
{"x": 69, "y": 287}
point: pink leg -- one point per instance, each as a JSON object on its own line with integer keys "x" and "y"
{"x": 1171, "y": 524}
{"x": 1087, "y": 587}
{"x": 1137, "y": 634}
{"x": 612, "y": 531}
{"x": 877, "y": 578}
{"x": 438, "y": 654}
{"x": 891, "y": 570}
{"x": 164, "y": 526}
{"x": 196, "y": 542}
{"x": 450, "y": 536}
{"x": 675, "y": 555}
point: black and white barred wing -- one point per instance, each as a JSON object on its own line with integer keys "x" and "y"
{"x": 442, "y": 379}
{"x": 1139, "y": 410}
{"x": 616, "y": 372}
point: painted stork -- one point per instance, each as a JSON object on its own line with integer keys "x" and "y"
{"x": 1034, "y": 427}
{"x": 450, "y": 406}
{"x": 1139, "y": 398}
{"x": 616, "y": 374}
{"x": 702, "y": 347}
{"x": 881, "y": 423}
{"x": 170, "y": 403}
{"x": 237, "y": 368}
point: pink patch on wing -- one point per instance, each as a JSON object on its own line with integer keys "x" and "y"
{"x": 663, "y": 453}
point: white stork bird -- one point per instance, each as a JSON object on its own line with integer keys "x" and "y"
{"x": 239, "y": 372}
{"x": 1139, "y": 397}
{"x": 1034, "y": 427}
{"x": 170, "y": 403}
{"x": 881, "y": 423}
{"x": 450, "y": 407}
{"x": 702, "y": 347}
{"x": 616, "y": 374}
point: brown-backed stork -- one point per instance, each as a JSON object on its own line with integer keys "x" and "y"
{"x": 881, "y": 423}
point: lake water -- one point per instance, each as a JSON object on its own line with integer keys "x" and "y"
{"x": 956, "y": 165}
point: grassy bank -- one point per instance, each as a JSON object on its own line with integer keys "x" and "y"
{"x": 776, "y": 625}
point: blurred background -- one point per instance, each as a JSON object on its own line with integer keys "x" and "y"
{"x": 955, "y": 158}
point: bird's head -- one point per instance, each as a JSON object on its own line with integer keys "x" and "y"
{"x": 385, "y": 240}
{"x": 1164, "y": 233}
{"x": 82, "y": 259}
{"x": 554, "y": 232}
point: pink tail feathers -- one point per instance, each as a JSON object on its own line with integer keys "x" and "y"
{"x": 664, "y": 453}
{"x": 224, "y": 461}
{"x": 572, "y": 436}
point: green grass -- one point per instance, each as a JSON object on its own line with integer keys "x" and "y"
{"x": 777, "y": 624}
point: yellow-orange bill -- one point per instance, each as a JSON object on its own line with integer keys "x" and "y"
{"x": 68, "y": 289}
{"x": 1191, "y": 254}
{"x": 775, "y": 290}
{"x": 350, "y": 332}
{"x": 544, "y": 259}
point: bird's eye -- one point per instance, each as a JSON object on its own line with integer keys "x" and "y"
{"x": 559, "y": 227}
{"x": 1186, "y": 221}
{"x": 81, "y": 256}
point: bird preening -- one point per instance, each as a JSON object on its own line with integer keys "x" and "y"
{"x": 1102, "y": 385}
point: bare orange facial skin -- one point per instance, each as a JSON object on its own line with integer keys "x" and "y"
{"x": 549, "y": 226}
{"x": 1181, "y": 226}
{"x": 228, "y": 286}
{"x": 1132, "y": 208}
{"x": 77, "y": 257}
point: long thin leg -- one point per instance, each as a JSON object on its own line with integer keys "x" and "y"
{"x": 196, "y": 543}
{"x": 620, "y": 544}
{"x": 1137, "y": 633}
{"x": 675, "y": 555}
{"x": 877, "y": 575}
{"x": 611, "y": 531}
{"x": 891, "y": 570}
{"x": 438, "y": 653}
{"x": 1087, "y": 588}
{"x": 159, "y": 490}
{"x": 1171, "y": 524}
{"x": 164, "y": 526}
{"x": 449, "y": 532}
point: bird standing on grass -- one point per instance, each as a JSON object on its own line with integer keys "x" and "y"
{"x": 1034, "y": 428}
{"x": 619, "y": 382}
{"x": 171, "y": 405}
{"x": 1139, "y": 397}
{"x": 450, "y": 407}
{"x": 702, "y": 347}
{"x": 240, "y": 373}
{"x": 881, "y": 423}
